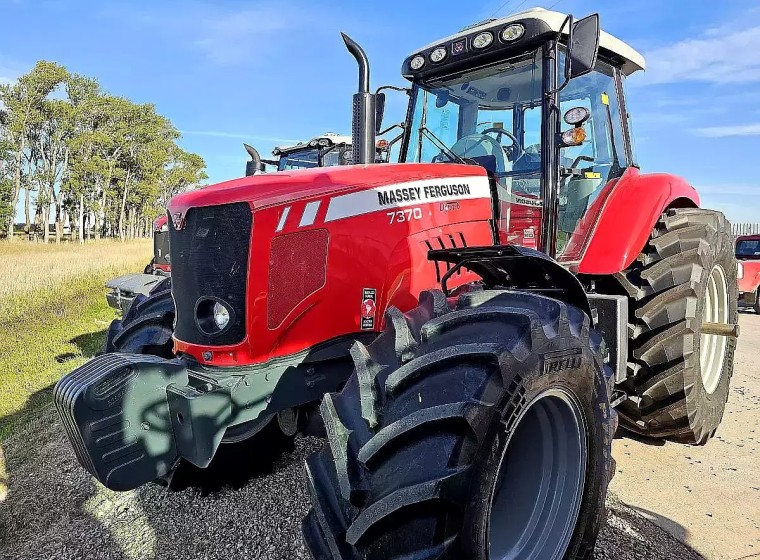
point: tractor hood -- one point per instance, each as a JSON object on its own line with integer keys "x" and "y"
{"x": 272, "y": 189}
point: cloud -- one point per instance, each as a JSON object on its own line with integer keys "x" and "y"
{"x": 735, "y": 130}
{"x": 731, "y": 189}
{"x": 236, "y": 135}
{"x": 738, "y": 201}
{"x": 234, "y": 36}
{"x": 718, "y": 56}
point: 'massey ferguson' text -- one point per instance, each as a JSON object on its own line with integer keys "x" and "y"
{"x": 422, "y": 194}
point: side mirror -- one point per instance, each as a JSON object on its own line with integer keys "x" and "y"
{"x": 584, "y": 46}
{"x": 379, "y": 111}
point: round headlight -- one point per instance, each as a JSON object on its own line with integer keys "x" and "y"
{"x": 438, "y": 54}
{"x": 482, "y": 40}
{"x": 417, "y": 62}
{"x": 512, "y": 32}
{"x": 577, "y": 115}
{"x": 221, "y": 315}
{"x": 312, "y": 143}
{"x": 324, "y": 142}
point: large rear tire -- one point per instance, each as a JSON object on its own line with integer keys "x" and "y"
{"x": 678, "y": 377}
{"x": 247, "y": 450}
{"x": 482, "y": 432}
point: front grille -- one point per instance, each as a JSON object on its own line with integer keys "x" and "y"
{"x": 210, "y": 259}
{"x": 161, "y": 247}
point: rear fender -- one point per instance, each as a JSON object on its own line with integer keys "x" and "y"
{"x": 620, "y": 221}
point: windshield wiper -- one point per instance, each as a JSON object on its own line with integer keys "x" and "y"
{"x": 441, "y": 146}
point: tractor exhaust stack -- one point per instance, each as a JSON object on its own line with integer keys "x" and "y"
{"x": 363, "y": 121}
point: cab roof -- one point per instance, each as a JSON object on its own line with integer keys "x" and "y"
{"x": 632, "y": 59}
{"x": 332, "y": 136}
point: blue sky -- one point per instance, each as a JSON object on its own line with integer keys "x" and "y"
{"x": 272, "y": 72}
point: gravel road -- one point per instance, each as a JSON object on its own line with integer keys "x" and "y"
{"x": 54, "y": 510}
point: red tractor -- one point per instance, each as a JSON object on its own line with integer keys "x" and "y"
{"x": 748, "y": 255}
{"x": 480, "y": 381}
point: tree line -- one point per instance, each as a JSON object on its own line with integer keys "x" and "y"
{"x": 72, "y": 153}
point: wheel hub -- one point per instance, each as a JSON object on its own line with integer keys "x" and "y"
{"x": 539, "y": 487}
{"x": 712, "y": 347}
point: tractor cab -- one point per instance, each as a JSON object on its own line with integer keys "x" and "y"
{"x": 550, "y": 130}
{"x": 322, "y": 151}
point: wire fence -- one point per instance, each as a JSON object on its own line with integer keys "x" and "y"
{"x": 745, "y": 229}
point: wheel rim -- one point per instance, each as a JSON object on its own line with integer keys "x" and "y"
{"x": 712, "y": 347}
{"x": 539, "y": 486}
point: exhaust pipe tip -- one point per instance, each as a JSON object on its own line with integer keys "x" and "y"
{"x": 363, "y": 122}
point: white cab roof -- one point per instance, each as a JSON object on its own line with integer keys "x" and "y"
{"x": 633, "y": 59}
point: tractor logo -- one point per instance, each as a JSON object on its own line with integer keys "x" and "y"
{"x": 368, "y": 309}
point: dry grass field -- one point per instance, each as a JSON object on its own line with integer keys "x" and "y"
{"x": 53, "y": 314}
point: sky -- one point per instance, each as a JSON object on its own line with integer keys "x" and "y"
{"x": 272, "y": 73}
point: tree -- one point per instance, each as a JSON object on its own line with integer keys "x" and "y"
{"x": 89, "y": 156}
{"x": 23, "y": 102}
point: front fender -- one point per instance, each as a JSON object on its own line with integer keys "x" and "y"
{"x": 621, "y": 220}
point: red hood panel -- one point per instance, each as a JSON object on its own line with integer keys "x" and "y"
{"x": 287, "y": 186}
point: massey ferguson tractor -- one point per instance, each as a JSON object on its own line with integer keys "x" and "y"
{"x": 469, "y": 387}
{"x": 322, "y": 151}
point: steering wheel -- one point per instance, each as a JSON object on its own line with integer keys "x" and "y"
{"x": 515, "y": 150}
{"x": 479, "y": 145}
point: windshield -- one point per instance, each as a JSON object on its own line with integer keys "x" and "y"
{"x": 491, "y": 117}
{"x": 301, "y": 159}
{"x": 748, "y": 248}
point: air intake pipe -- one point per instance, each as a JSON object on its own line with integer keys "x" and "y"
{"x": 363, "y": 126}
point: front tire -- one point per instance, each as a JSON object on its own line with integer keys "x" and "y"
{"x": 678, "y": 377}
{"x": 482, "y": 432}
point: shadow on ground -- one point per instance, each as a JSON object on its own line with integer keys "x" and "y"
{"x": 88, "y": 345}
{"x": 54, "y": 509}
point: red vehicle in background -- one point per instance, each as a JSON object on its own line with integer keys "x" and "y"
{"x": 748, "y": 255}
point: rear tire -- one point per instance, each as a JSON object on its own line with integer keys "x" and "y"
{"x": 147, "y": 328}
{"x": 433, "y": 442}
{"x": 679, "y": 392}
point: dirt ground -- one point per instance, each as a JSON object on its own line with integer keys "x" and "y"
{"x": 670, "y": 502}
{"x": 707, "y": 497}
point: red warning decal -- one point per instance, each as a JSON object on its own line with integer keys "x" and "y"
{"x": 369, "y": 299}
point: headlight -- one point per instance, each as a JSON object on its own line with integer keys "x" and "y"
{"x": 577, "y": 115}
{"x": 324, "y": 142}
{"x": 739, "y": 270}
{"x": 221, "y": 315}
{"x": 482, "y": 40}
{"x": 213, "y": 316}
{"x": 312, "y": 143}
{"x": 512, "y": 32}
{"x": 417, "y": 62}
{"x": 438, "y": 54}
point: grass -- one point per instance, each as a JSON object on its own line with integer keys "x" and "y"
{"x": 53, "y": 316}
